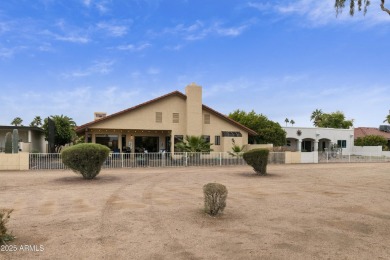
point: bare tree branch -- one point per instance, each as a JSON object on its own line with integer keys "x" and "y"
{"x": 384, "y": 8}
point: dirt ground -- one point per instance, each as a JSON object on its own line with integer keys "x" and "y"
{"x": 322, "y": 211}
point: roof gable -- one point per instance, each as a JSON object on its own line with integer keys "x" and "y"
{"x": 83, "y": 127}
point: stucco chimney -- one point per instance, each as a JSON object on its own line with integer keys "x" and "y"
{"x": 99, "y": 115}
{"x": 194, "y": 109}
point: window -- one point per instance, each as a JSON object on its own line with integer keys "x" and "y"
{"x": 111, "y": 141}
{"x": 217, "y": 140}
{"x": 175, "y": 118}
{"x": 158, "y": 117}
{"x": 177, "y": 139}
{"x": 231, "y": 134}
{"x": 342, "y": 143}
{"x": 207, "y": 119}
{"x": 206, "y": 138}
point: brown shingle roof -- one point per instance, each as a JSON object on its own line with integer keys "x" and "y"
{"x": 363, "y": 131}
{"x": 82, "y": 128}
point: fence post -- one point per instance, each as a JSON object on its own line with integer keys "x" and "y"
{"x": 121, "y": 160}
{"x": 186, "y": 156}
{"x": 327, "y": 157}
{"x": 220, "y": 159}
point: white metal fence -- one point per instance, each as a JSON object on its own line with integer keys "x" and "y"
{"x": 39, "y": 161}
{"x": 338, "y": 157}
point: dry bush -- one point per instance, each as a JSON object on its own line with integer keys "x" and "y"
{"x": 4, "y": 217}
{"x": 215, "y": 195}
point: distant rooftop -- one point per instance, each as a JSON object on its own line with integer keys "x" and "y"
{"x": 363, "y": 131}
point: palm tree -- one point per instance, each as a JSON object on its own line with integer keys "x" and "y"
{"x": 17, "y": 121}
{"x": 36, "y": 122}
{"x": 316, "y": 116}
{"x": 292, "y": 122}
{"x": 286, "y": 120}
{"x": 194, "y": 144}
{"x": 387, "y": 119}
{"x": 237, "y": 150}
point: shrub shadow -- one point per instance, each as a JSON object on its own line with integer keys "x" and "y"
{"x": 78, "y": 179}
{"x": 254, "y": 175}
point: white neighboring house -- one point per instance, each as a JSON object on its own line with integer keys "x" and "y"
{"x": 311, "y": 139}
{"x": 31, "y": 139}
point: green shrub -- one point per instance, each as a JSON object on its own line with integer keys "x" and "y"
{"x": 8, "y": 143}
{"x": 15, "y": 141}
{"x": 86, "y": 159}
{"x": 4, "y": 216}
{"x": 214, "y": 198}
{"x": 258, "y": 159}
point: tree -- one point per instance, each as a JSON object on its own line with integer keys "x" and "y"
{"x": 64, "y": 130}
{"x": 372, "y": 140}
{"x": 286, "y": 120}
{"x": 17, "y": 121}
{"x": 387, "y": 120}
{"x": 316, "y": 116}
{"x": 236, "y": 149}
{"x": 37, "y": 122}
{"x": 268, "y": 132}
{"x": 194, "y": 144}
{"x": 292, "y": 122}
{"x": 332, "y": 120}
{"x": 340, "y": 5}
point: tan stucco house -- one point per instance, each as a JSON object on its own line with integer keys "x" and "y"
{"x": 160, "y": 123}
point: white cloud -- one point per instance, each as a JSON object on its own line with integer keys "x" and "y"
{"x": 200, "y": 30}
{"x": 100, "y": 67}
{"x": 6, "y": 52}
{"x": 73, "y": 37}
{"x": 132, "y": 47}
{"x": 153, "y": 71}
{"x": 321, "y": 13}
{"x": 4, "y": 27}
{"x": 113, "y": 29}
{"x": 87, "y": 2}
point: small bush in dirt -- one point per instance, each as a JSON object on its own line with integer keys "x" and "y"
{"x": 258, "y": 159}
{"x": 214, "y": 198}
{"x": 4, "y": 216}
{"x": 86, "y": 159}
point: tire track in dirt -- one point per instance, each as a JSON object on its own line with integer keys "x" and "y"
{"x": 104, "y": 227}
{"x": 156, "y": 220}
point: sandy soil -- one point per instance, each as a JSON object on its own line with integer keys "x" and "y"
{"x": 324, "y": 211}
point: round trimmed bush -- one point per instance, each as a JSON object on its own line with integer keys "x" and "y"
{"x": 85, "y": 159}
{"x": 258, "y": 159}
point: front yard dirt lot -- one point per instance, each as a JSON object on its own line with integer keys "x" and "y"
{"x": 321, "y": 211}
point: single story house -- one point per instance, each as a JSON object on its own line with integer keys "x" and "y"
{"x": 310, "y": 139}
{"x": 383, "y": 130}
{"x": 31, "y": 139}
{"x": 157, "y": 125}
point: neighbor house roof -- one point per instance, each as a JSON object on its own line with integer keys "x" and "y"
{"x": 33, "y": 128}
{"x": 82, "y": 128}
{"x": 364, "y": 131}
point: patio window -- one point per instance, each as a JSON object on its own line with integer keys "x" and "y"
{"x": 111, "y": 141}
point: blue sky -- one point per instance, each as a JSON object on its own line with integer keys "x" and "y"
{"x": 280, "y": 58}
